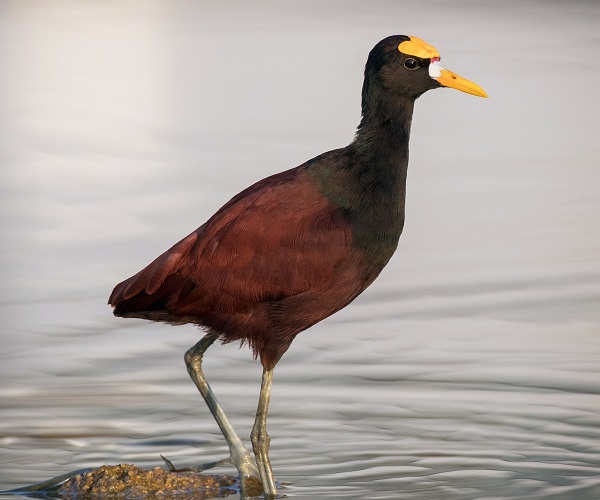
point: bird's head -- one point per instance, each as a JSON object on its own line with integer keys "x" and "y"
{"x": 406, "y": 66}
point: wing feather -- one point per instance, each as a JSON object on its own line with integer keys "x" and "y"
{"x": 279, "y": 238}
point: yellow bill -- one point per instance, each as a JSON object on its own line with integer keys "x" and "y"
{"x": 421, "y": 49}
{"x": 449, "y": 79}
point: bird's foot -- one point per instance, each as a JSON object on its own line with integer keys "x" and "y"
{"x": 244, "y": 462}
{"x": 250, "y": 482}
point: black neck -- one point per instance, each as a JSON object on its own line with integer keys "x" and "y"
{"x": 381, "y": 144}
{"x": 367, "y": 179}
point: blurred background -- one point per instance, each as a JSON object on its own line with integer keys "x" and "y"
{"x": 470, "y": 369}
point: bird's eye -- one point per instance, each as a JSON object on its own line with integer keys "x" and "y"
{"x": 411, "y": 63}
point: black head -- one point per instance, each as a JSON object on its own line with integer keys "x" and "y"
{"x": 397, "y": 73}
{"x": 404, "y": 67}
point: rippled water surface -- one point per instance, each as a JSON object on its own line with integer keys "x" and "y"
{"x": 470, "y": 369}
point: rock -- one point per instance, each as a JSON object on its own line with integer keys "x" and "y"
{"x": 127, "y": 481}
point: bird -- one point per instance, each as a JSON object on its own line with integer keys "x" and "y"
{"x": 296, "y": 247}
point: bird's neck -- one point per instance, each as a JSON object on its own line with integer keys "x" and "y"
{"x": 381, "y": 144}
{"x": 367, "y": 180}
{"x": 379, "y": 169}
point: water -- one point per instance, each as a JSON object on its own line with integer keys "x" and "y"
{"x": 468, "y": 370}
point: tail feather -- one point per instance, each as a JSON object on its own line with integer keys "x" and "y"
{"x": 160, "y": 283}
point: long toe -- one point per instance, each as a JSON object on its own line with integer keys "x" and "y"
{"x": 244, "y": 463}
{"x": 196, "y": 468}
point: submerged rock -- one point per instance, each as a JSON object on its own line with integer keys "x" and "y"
{"x": 127, "y": 481}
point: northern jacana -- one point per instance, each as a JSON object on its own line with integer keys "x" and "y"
{"x": 298, "y": 246}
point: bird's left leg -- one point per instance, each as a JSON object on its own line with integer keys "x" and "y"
{"x": 240, "y": 456}
{"x": 260, "y": 439}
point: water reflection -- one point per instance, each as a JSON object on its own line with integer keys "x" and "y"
{"x": 469, "y": 370}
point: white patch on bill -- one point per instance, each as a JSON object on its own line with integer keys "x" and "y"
{"x": 435, "y": 69}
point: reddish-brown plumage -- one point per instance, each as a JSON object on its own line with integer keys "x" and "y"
{"x": 273, "y": 261}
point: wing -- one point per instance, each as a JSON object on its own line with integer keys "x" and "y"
{"x": 277, "y": 239}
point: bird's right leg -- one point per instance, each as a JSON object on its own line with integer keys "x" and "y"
{"x": 240, "y": 456}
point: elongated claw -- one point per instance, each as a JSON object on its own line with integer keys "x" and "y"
{"x": 169, "y": 464}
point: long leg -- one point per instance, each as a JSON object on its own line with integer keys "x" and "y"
{"x": 260, "y": 439}
{"x": 240, "y": 455}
